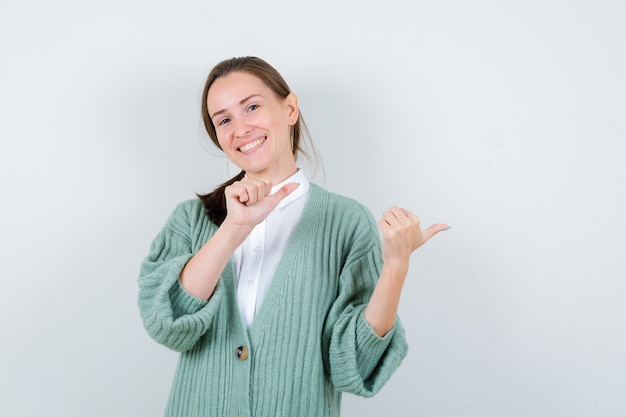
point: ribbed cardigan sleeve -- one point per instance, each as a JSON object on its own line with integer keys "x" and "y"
{"x": 360, "y": 361}
{"x": 172, "y": 316}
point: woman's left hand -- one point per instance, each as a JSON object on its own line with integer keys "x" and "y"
{"x": 402, "y": 234}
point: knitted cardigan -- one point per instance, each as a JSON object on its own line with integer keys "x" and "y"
{"x": 309, "y": 341}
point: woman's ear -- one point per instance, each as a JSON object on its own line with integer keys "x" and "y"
{"x": 291, "y": 101}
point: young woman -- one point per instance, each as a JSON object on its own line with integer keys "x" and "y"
{"x": 279, "y": 294}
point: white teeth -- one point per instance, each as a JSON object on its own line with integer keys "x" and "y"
{"x": 251, "y": 145}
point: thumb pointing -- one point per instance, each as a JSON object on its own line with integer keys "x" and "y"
{"x": 284, "y": 191}
{"x": 433, "y": 230}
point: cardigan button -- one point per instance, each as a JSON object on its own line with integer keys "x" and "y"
{"x": 242, "y": 353}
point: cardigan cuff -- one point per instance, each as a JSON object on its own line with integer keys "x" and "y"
{"x": 183, "y": 302}
{"x": 371, "y": 346}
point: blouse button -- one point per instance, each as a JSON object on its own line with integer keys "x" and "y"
{"x": 242, "y": 353}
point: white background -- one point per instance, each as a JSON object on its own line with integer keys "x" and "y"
{"x": 504, "y": 119}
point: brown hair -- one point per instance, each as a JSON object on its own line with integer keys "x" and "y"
{"x": 215, "y": 201}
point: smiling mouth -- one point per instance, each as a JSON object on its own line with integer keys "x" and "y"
{"x": 249, "y": 146}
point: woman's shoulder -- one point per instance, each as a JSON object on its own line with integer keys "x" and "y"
{"x": 334, "y": 201}
{"x": 190, "y": 212}
{"x": 346, "y": 217}
{"x": 345, "y": 213}
{"x": 187, "y": 207}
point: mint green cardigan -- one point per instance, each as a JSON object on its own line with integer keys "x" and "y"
{"x": 309, "y": 341}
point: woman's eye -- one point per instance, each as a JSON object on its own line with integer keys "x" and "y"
{"x": 222, "y": 122}
{"x": 253, "y": 107}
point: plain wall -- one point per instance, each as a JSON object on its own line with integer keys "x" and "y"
{"x": 504, "y": 119}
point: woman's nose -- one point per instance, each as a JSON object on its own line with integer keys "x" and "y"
{"x": 241, "y": 128}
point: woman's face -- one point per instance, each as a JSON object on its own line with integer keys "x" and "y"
{"x": 253, "y": 125}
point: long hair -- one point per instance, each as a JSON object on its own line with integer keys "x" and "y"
{"x": 215, "y": 201}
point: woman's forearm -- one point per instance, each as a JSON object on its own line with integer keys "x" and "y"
{"x": 201, "y": 274}
{"x": 382, "y": 308}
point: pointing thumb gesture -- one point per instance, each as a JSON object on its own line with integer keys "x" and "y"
{"x": 249, "y": 201}
{"x": 402, "y": 233}
{"x": 432, "y": 231}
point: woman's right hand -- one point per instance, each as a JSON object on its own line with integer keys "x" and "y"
{"x": 248, "y": 202}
